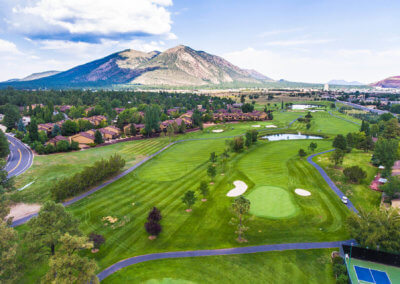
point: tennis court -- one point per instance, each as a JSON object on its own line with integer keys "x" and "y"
{"x": 371, "y": 275}
{"x": 367, "y": 272}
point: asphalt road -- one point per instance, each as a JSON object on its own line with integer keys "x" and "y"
{"x": 20, "y": 159}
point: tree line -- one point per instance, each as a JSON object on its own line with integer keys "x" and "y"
{"x": 82, "y": 181}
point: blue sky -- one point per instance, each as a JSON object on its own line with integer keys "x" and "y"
{"x": 308, "y": 41}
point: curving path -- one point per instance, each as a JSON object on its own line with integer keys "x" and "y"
{"x": 328, "y": 180}
{"x": 196, "y": 253}
{"x": 20, "y": 158}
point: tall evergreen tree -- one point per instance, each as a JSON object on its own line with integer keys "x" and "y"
{"x": 98, "y": 138}
{"x": 33, "y": 130}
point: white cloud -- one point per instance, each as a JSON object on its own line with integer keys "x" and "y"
{"x": 93, "y": 17}
{"x": 7, "y": 47}
{"x": 320, "y": 66}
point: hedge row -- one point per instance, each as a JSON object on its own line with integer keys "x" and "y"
{"x": 80, "y": 182}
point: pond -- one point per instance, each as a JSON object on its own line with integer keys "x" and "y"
{"x": 278, "y": 137}
{"x": 303, "y": 107}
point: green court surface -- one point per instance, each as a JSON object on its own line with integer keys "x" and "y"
{"x": 271, "y": 202}
{"x": 393, "y": 272}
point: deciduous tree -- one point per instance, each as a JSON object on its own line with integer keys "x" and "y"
{"x": 189, "y": 199}
{"x": 8, "y": 253}
{"x": 46, "y": 229}
{"x": 241, "y": 207}
{"x": 67, "y": 266}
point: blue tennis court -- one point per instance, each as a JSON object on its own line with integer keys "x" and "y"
{"x": 371, "y": 275}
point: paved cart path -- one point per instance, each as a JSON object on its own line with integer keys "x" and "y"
{"x": 230, "y": 251}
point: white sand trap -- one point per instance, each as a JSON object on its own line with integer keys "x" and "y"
{"x": 218, "y": 130}
{"x": 270, "y": 126}
{"x": 302, "y": 192}
{"x": 257, "y": 125}
{"x": 21, "y": 210}
{"x": 240, "y": 188}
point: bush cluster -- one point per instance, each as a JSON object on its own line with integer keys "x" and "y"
{"x": 71, "y": 186}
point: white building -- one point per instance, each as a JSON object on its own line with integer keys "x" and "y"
{"x": 26, "y": 120}
{"x": 326, "y": 87}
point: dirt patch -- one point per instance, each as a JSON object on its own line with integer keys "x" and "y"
{"x": 21, "y": 210}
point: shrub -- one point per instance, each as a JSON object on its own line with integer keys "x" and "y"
{"x": 354, "y": 173}
{"x": 302, "y": 153}
{"x": 153, "y": 228}
{"x": 97, "y": 240}
{"x": 68, "y": 187}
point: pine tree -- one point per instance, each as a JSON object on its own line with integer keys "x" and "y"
{"x": 98, "y": 138}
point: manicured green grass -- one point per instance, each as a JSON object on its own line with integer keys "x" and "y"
{"x": 312, "y": 266}
{"x": 46, "y": 169}
{"x": 175, "y": 163}
{"x": 323, "y": 122}
{"x": 320, "y": 217}
{"x": 163, "y": 181}
{"x": 360, "y": 194}
{"x": 271, "y": 202}
{"x": 393, "y": 272}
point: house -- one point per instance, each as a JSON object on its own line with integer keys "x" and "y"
{"x": 1, "y": 116}
{"x": 127, "y": 128}
{"x": 84, "y": 139}
{"x": 64, "y": 108}
{"x": 95, "y": 120}
{"x": 89, "y": 109}
{"x": 118, "y": 110}
{"x": 46, "y": 127}
{"x": 57, "y": 139}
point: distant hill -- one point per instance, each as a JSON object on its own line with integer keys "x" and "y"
{"x": 257, "y": 75}
{"x": 40, "y": 75}
{"x": 345, "y": 83}
{"x": 391, "y": 82}
{"x": 178, "y": 66}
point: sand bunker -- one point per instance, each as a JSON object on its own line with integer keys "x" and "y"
{"x": 270, "y": 126}
{"x": 302, "y": 192}
{"x": 218, "y": 130}
{"x": 21, "y": 210}
{"x": 257, "y": 125}
{"x": 240, "y": 188}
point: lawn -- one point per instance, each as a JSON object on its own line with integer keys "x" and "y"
{"x": 312, "y": 266}
{"x": 360, "y": 194}
{"x": 323, "y": 122}
{"x": 320, "y": 217}
{"x": 47, "y": 168}
{"x": 162, "y": 181}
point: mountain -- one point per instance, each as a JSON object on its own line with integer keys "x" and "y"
{"x": 257, "y": 75}
{"x": 178, "y": 66}
{"x": 391, "y": 82}
{"x": 345, "y": 83}
{"x": 40, "y": 75}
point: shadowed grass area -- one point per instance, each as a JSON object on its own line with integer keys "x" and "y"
{"x": 313, "y": 266}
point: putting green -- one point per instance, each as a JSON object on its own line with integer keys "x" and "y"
{"x": 271, "y": 202}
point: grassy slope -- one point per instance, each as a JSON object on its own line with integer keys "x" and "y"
{"x": 311, "y": 266}
{"x": 47, "y": 168}
{"x": 360, "y": 194}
